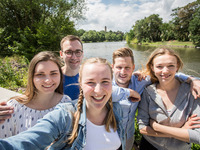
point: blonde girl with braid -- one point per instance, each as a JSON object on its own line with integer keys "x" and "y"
{"x": 91, "y": 122}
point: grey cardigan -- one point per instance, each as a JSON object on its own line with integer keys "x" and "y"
{"x": 152, "y": 107}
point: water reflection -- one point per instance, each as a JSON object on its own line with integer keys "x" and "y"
{"x": 190, "y": 57}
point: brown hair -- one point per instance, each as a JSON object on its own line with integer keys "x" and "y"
{"x": 123, "y": 52}
{"x": 109, "y": 120}
{"x": 30, "y": 91}
{"x": 158, "y": 52}
{"x": 70, "y": 38}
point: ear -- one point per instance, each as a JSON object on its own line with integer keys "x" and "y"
{"x": 152, "y": 68}
{"x": 61, "y": 53}
{"x": 112, "y": 66}
{"x": 133, "y": 67}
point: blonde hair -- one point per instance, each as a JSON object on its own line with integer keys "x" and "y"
{"x": 30, "y": 91}
{"x": 158, "y": 52}
{"x": 110, "y": 118}
{"x": 123, "y": 52}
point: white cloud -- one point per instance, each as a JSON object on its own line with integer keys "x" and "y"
{"x": 122, "y": 16}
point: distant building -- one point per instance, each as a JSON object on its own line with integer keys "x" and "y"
{"x": 105, "y": 29}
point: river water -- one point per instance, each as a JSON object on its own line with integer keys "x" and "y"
{"x": 190, "y": 56}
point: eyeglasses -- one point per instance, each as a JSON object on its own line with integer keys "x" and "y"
{"x": 78, "y": 53}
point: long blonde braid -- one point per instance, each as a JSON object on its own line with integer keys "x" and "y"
{"x": 110, "y": 118}
{"x": 76, "y": 118}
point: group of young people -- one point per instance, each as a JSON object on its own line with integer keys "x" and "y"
{"x": 103, "y": 116}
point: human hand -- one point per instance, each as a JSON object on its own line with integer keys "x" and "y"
{"x": 5, "y": 111}
{"x": 134, "y": 96}
{"x": 192, "y": 122}
{"x": 195, "y": 88}
{"x": 141, "y": 76}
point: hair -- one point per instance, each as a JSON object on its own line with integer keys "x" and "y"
{"x": 158, "y": 52}
{"x": 70, "y": 38}
{"x": 110, "y": 118}
{"x": 30, "y": 91}
{"x": 123, "y": 52}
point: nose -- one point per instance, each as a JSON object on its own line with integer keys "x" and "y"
{"x": 165, "y": 69}
{"x": 73, "y": 55}
{"x": 97, "y": 89}
{"x": 47, "y": 79}
{"x": 122, "y": 70}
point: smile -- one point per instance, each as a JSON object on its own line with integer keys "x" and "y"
{"x": 98, "y": 98}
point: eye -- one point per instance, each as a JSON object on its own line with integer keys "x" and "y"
{"x": 69, "y": 52}
{"x": 119, "y": 67}
{"x": 54, "y": 73}
{"x": 39, "y": 74}
{"x": 127, "y": 68}
{"x": 106, "y": 82}
{"x": 171, "y": 66}
{"x": 90, "y": 83}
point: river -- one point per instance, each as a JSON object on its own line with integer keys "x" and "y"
{"x": 190, "y": 56}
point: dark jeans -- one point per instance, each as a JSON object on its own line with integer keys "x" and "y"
{"x": 145, "y": 145}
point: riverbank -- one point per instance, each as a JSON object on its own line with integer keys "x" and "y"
{"x": 172, "y": 43}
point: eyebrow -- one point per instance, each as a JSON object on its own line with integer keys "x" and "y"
{"x": 71, "y": 50}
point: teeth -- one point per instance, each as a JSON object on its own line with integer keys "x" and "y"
{"x": 98, "y": 98}
{"x": 47, "y": 86}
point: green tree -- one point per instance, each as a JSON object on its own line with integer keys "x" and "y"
{"x": 182, "y": 17}
{"x": 167, "y": 32}
{"x": 194, "y": 28}
{"x": 28, "y": 27}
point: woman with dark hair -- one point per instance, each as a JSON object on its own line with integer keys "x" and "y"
{"x": 44, "y": 91}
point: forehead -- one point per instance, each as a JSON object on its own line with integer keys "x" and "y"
{"x": 165, "y": 59}
{"x": 72, "y": 45}
{"x": 126, "y": 61}
{"x": 96, "y": 71}
{"x": 46, "y": 65}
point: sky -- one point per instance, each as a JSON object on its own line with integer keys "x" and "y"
{"x": 120, "y": 15}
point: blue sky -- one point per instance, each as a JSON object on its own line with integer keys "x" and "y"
{"x": 120, "y": 15}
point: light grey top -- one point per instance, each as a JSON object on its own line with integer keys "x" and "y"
{"x": 152, "y": 107}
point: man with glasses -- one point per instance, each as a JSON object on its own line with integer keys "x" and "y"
{"x": 72, "y": 54}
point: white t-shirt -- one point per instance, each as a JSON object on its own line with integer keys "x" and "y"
{"x": 97, "y": 138}
{"x": 23, "y": 118}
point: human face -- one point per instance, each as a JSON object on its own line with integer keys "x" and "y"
{"x": 96, "y": 83}
{"x": 73, "y": 62}
{"x": 123, "y": 69}
{"x": 46, "y": 77}
{"x": 165, "y": 67}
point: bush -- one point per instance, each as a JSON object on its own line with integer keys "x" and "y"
{"x": 13, "y": 72}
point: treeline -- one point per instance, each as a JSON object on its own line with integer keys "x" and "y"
{"x": 184, "y": 26}
{"x": 27, "y": 27}
{"x": 101, "y": 36}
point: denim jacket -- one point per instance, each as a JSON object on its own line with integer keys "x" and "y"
{"x": 56, "y": 127}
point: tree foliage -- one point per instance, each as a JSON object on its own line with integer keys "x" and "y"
{"x": 184, "y": 26}
{"x": 95, "y": 36}
{"x": 28, "y": 27}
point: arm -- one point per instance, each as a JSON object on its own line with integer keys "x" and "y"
{"x": 119, "y": 93}
{"x": 144, "y": 118}
{"x": 5, "y": 111}
{"x": 195, "y": 83}
{"x": 177, "y": 133}
{"x": 54, "y": 125}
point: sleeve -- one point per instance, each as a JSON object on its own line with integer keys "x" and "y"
{"x": 53, "y": 126}
{"x": 181, "y": 76}
{"x": 143, "y": 113}
{"x": 194, "y": 134}
{"x": 119, "y": 93}
{"x": 7, "y": 129}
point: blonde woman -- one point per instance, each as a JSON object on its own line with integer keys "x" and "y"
{"x": 93, "y": 122}
{"x": 167, "y": 105}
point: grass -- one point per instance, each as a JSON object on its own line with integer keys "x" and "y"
{"x": 173, "y": 43}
